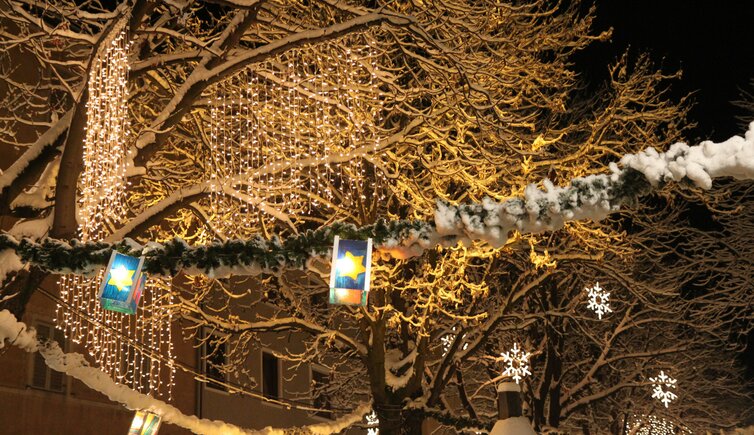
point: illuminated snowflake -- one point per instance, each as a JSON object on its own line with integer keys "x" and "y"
{"x": 658, "y": 390}
{"x": 598, "y": 300}
{"x": 517, "y": 363}
{"x": 447, "y": 342}
{"x": 373, "y": 421}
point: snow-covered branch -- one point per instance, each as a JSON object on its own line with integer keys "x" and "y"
{"x": 591, "y": 197}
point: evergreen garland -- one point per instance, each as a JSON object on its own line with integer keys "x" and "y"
{"x": 589, "y": 197}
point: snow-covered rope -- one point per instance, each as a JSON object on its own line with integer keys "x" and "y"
{"x": 76, "y": 366}
{"x": 591, "y": 197}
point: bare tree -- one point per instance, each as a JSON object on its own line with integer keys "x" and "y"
{"x": 277, "y": 117}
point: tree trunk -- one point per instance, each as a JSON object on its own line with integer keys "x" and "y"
{"x": 393, "y": 421}
{"x": 20, "y": 289}
{"x": 64, "y": 225}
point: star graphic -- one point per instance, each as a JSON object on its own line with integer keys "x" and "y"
{"x": 350, "y": 266}
{"x": 121, "y": 277}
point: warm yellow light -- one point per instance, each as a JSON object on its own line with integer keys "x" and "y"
{"x": 102, "y": 205}
{"x": 342, "y": 293}
{"x": 121, "y": 277}
{"x": 137, "y": 422}
{"x": 351, "y": 266}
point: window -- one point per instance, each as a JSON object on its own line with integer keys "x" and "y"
{"x": 270, "y": 375}
{"x": 215, "y": 358}
{"x": 42, "y": 376}
{"x": 320, "y": 384}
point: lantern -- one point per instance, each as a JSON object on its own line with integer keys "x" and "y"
{"x": 123, "y": 283}
{"x": 144, "y": 423}
{"x": 349, "y": 278}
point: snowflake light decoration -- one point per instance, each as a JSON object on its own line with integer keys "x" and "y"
{"x": 658, "y": 390}
{"x": 598, "y": 300}
{"x": 517, "y": 363}
{"x": 447, "y": 341}
{"x": 373, "y": 421}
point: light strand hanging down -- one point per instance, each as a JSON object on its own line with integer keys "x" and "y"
{"x": 101, "y": 206}
{"x": 270, "y": 120}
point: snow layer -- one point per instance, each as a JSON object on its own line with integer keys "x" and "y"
{"x": 700, "y": 164}
{"x": 508, "y": 386}
{"x": 9, "y": 262}
{"x": 75, "y": 365}
{"x": 48, "y": 138}
{"x": 32, "y": 229}
{"x": 394, "y": 363}
{"x": 513, "y": 426}
{"x": 39, "y": 195}
{"x": 338, "y": 425}
{"x": 16, "y": 332}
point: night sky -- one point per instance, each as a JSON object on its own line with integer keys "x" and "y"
{"x": 711, "y": 41}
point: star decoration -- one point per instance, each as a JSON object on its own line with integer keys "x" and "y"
{"x": 658, "y": 392}
{"x": 517, "y": 363}
{"x": 351, "y": 266}
{"x": 121, "y": 277}
{"x": 598, "y": 300}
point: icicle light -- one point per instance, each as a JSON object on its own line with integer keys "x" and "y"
{"x": 290, "y": 135}
{"x": 128, "y": 348}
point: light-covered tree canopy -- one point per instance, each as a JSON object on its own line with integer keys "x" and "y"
{"x": 258, "y": 120}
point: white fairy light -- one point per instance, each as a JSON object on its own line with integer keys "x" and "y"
{"x": 653, "y": 425}
{"x": 598, "y": 300}
{"x": 659, "y": 384}
{"x": 283, "y": 135}
{"x": 123, "y": 346}
{"x": 517, "y": 363}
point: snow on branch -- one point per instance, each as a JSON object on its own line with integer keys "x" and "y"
{"x": 47, "y": 139}
{"x": 75, "y": 365}
{"x": 16, "y": 333}
{"x": 591, "y": 197}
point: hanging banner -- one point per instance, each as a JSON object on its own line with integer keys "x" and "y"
{"x": 123, "y": 283}
{"x": 350, "y": 273}
{"x": 144, "y": 423}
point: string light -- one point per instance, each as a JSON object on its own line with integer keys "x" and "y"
{"x": 101, "y": 207}
{"x": 653, "y": 425}
{"x": 283, "y": 135}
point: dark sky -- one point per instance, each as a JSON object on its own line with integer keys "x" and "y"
{"x": 711, "y": 41}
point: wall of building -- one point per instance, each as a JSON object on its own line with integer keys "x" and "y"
{"x": 77, "y": 409}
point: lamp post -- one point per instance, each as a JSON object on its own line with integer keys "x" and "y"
{"x": 510, "y": 414}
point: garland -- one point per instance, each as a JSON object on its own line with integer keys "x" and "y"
{"x": 591, "y": 197}
{"x": 488, "y": 221}
{"x": 448, "y": 419}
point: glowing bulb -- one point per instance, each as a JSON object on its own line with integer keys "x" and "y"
{"x": 346, "y": 266}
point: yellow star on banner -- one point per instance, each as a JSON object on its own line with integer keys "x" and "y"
{"x": 351, "y": 266}
{"x": 121, "y": 277}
